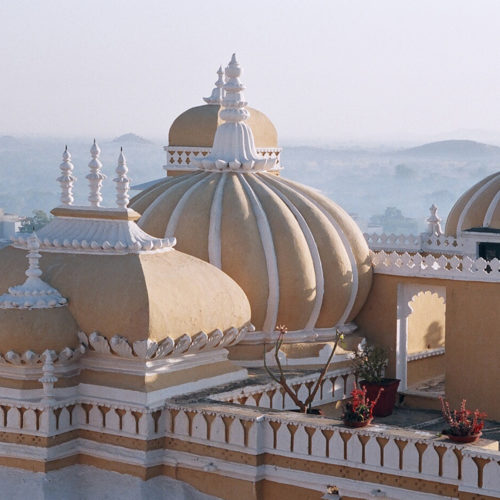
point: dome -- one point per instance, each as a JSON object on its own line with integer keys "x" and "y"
{"x": 196, "y": 127}
{"x": 299, "y": 257}
{"x": 36, "y": 330}
{"x": 139, "y": 296}
{"x": 477, "y": 208}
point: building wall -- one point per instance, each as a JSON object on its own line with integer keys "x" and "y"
{"x": 426, "y": 324}
{"x": 472, "y": 335}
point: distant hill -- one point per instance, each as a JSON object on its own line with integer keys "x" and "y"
{"x": 8, "y": 141}
{"x": 451, "y": 149}
{"x": 131, "y": 139}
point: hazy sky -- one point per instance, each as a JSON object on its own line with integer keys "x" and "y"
{"x": 321, "y": 70}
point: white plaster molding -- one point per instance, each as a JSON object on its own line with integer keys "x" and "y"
{"x": 122, "y": 182}
{"x": 471, "y": 201}
{"x": 96, "y": 236}
{"x": 434, "y": 222}
{"x": 347, "y": 246}
{"x": 66, "y": 179}
{"x": 442, "y": 267}
{"x": 180, "y": 158}
{"x": 214, "y": 230}
{"x": 179, "y": 207}
{"x": 34, "y": 293}
{"x": 438, "y": 351}
{"x": 313, "y": 250}
{"x": 95, "y": 177}
{"x": 218, "y": 92}
{"x": 266, "y": 237}
{"x": 150, "y": 350}
{"x": 234, "y": 146}
{"x": 425, "y": 242}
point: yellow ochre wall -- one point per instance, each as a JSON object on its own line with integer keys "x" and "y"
{"x": 472, "y": 335}
{"x": 426, "y": 323}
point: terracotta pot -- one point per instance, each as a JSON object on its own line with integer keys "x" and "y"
{"x": 472, "y": 438}
{"x": 355, "y": 424}
{"x": 385, "y": 404}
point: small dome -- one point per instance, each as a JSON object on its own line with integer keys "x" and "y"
{"x": 137, "y": 295}
{"x": 477, "y": 208}
{"x": 299, "y": 257}
{"x": 196, "y": 128}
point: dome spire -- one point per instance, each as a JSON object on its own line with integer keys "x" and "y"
{"x": 34, "y": 293}
{"x": 66, "y": 179}
{"x": 434, "y": 221}
{"x": 122, "y": 182}
{"x": 218, "y": 92}
{"x": 234, "y": 145}
{"x": 95, "y": 177}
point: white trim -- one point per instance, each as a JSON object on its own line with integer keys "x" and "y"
{"x": 176, "y": 214}
{"x": 491, "y": 210}
{"x": 347, "y": 246}
{"x": 438, "y": 351}
{"x": 313, "y": 250}
{"x": 214, "y": 234}
{"x": 160, "y": 196}
{"x": 471, "y": 200}
{"x": 266, "y": 237}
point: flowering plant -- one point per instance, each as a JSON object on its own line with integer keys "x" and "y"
{"x": 462, "y": 422}
{"x": 360, "y": 408}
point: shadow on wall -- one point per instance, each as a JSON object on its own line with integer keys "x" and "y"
{"x": 435, "y": 336}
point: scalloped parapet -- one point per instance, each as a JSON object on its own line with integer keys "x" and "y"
{"x": 234, "y": 144}
{"x": 34, "y": 293}
{"x": 86, "y": 230}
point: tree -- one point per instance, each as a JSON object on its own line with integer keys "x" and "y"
{"x": 35, "y": 222}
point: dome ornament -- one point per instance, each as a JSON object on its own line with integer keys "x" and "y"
{"x": 434, "y": 222}
{"x": 66, "y": 178}
{"x": 122, "y": 182}
{"x": 218, "y": 92}
{"x": 234, "y": 144}
{"x": 95, "y": 177}
{"x": 34, "y": 293}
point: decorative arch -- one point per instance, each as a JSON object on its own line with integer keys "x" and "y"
{"x": 407, "y": 293}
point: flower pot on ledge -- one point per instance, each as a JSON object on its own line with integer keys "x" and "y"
{"x": 387, "y": 400}
{"x": 471, "y": 438}
{"x": 356, "y": 424}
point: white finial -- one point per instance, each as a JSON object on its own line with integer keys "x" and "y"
{"x": 48, "y": 378}
{"x": 218, "y": 92}
{"x": 95, "y": 177}
{"x": 66, "y": 179}
{"x": 234, "y": 145}
{"x": 434, "y": 222}
{"x": 122, "y": 182}
{"x": 33, "y": 293}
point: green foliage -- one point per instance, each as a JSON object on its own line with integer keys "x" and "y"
{"x": 36, "y": 222}
{"x": 370, "y": 363}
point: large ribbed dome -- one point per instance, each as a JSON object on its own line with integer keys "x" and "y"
{"x": 299, "y": 257}
{"x": 197, "y": 126}
{"x": 477, "y": 208}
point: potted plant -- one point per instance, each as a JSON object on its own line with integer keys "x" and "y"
{"x": 359, "y": 411}
{"x": 370, "y": 363}
{"x": 303, "y": 406}
{"x": 465, "y": 426}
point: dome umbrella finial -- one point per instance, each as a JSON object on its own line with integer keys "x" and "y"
{"x": 218, "y": 92}
{"x": 95, "y": 177}
{"x": 66, "y": 179}
{"x": 234, "y": 146}
{"x": 34, "y": 293}
{"x": 122, "y": 182}
{"x": 434, "y": 222}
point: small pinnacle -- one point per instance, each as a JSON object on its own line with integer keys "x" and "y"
{"x": 121, "y": 149}
{"x": 94, "y": 140}
{"x": 66, "y": 148}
